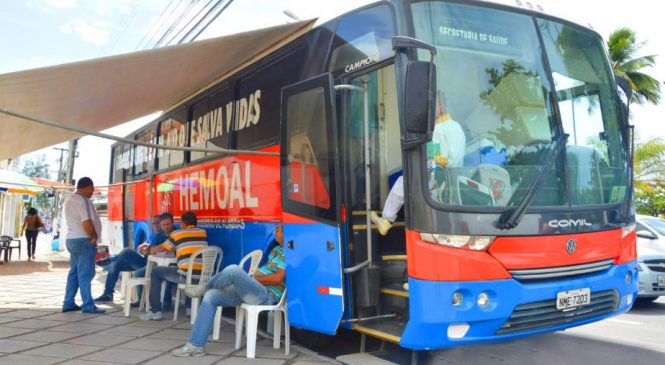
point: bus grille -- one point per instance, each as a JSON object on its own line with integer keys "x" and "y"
{"x": 656, "y": 265}
{"x": 537, "y": 315}
{"x": 551, "y": 273}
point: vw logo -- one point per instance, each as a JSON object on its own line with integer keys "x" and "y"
{"x": 571, "y": 246}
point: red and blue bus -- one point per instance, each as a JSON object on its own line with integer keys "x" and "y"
{"x": 532, "y": 232}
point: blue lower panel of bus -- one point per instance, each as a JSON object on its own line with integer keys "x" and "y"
{"x": 515, "y": 309}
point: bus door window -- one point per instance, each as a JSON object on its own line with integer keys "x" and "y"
{"x": 384, "y": 137}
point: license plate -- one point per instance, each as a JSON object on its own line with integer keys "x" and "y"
{"x": 573, "y": 298}
{"x": 661, "y": 280}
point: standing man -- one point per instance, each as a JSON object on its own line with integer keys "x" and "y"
{"x": 130, "y": 260}
{"x": 84, "y": 228}
{"x": 184, "y": 242}
{"x": 232, "y": 287}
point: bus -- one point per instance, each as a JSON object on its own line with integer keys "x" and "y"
{"x": 532, "y": 231}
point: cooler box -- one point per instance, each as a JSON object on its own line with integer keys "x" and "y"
{"x": 102, "y": 252}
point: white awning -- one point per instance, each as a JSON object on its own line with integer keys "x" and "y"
{"x": 101, "y": 93}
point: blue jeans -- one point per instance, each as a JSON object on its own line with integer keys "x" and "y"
{"x": 229, "y": 288}
{"x": 81, "y": 271}
{"x": 158, "y": 275}
{"x": 126, "y": 260}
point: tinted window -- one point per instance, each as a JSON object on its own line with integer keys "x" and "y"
{"x": 121, "y": 162}
{"x": 258, "y": 107}
{"x": 172, "y": 132}
{"x": 144, "y": 157}
{"x": 211, "y": 123}
{"x": 362, "y": 39}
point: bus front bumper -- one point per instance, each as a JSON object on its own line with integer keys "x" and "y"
{"x": 513, "y": 309}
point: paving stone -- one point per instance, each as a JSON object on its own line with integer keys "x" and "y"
{"x": 10, "y": 331}
{"x": 34, "y": 324}
{"x": 152, "y": 344}
{"x": 66, "y": 317}
{"x": 86, "y": 362}
{"x": 64, "y": 350}
{"x": 8, "y": 319}
{"x": 46, "y": 336}
{"x": 246, "y": 361}
{"x": 99, "y": 340}
{"x": 154, "y": 324}
{"x": 11, "y": 346}
{"x": 23, "y": 313}
{"x": 29, "y": 360}
{"x": 122, "y": 356}
{"x": 129, "y": 331}
{"x": 220, "y": 348}
{"x": 173, "y": 334}
{"x": 110, "y": 320}
{"x": 81, "y": 327}
{"x": 193, "y": 360}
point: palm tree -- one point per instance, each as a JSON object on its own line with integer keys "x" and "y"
{"x": 622, "y": 47}
{"x": 649, "y": 169}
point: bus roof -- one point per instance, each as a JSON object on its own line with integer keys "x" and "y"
{"x": 101, "y": 93}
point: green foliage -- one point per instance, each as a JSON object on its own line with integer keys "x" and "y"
{"x": 649, "y": 172}
{"x": 37, "y": 167}
{"x": 622, "y": 46}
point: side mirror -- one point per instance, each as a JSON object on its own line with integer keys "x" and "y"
{"x": 646, "y": 234}
{"x": 418, "y": 107}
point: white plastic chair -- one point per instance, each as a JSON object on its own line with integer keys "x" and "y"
{"x": 209, "y": 257}
{"x": 128, "y": 285}
{"x": 252, "y": 314}
{"x": 255, "y": 257}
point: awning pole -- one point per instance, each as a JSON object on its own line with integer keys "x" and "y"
{"x": 130, "y": 141}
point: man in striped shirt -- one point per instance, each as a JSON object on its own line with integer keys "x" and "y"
{"x": 232, "y": 287}
{"x": 184, "y": 242}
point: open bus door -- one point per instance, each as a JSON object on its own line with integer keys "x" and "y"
{"x": 310, "y": 201}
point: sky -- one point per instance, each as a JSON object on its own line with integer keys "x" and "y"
{"x": 37, "y": 33}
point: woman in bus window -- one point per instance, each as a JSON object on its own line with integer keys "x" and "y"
{"x": 31, "y": 225}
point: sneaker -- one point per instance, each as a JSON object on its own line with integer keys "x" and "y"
{"x": 151, "y": 316}
{"x": 188, "y": 350}
{"x": 104, "y": 261}
{"x": 381, "y": 223}
{"x": 75, "y": 308}
{"x": 104, "y": 298}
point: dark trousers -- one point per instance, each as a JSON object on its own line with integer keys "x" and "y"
{"x": 31, "y": 237}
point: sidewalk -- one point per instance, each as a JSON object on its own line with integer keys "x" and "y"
{"x": 34, "y": 331}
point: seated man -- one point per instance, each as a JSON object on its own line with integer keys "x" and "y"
{"x": 184, "y": 242}
{"x": 447, "y": 148}
{"x": 232, "y": 287}
{"x": 130, "y": 260}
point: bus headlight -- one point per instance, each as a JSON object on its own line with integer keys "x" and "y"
{"x": 475, "y": 243}
{"x": 483, "y": 300}
{"x": 458, "y": 298}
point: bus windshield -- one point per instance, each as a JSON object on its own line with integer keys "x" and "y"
{"x": 504, "y": 94}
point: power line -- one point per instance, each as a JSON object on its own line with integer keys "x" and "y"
{"x": 190, "y": 21}
{"x": 175, "y": 23}
{"x": 184, "y": 38}
{"x": 150, "y": 31}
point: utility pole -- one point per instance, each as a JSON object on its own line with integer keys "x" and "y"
{"x": 61, "y": 171}
{"x": 70, "y": 162}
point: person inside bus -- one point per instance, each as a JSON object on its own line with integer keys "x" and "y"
{"x": 183, "y": 242}
{"x": 446, "y": 149}
{"x": 31, "y": 225}
{"x": 232, "y": 287}
{"x": 130, "y": 260}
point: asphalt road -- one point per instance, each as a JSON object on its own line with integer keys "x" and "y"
{"x": 634, "y": 338}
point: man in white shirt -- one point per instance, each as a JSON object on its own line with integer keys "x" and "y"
{"x": 447, "y": 147}
{"x": 84, "y": 228}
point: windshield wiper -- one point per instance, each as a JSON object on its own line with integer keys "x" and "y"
{"x": 511, "y": 218}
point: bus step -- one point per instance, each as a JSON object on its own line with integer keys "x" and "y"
{"x": 397, "y": 292}
{"x": 363, "y": 358}
{"x": 387, "y": 329}
{"x": 363, "y": 227}
{"x": 393, "y": 258}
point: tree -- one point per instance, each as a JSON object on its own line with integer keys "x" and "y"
{"x": 649, "y": 173}
{"x": 622, "y": 46}
{"x": 37, "y": 167}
